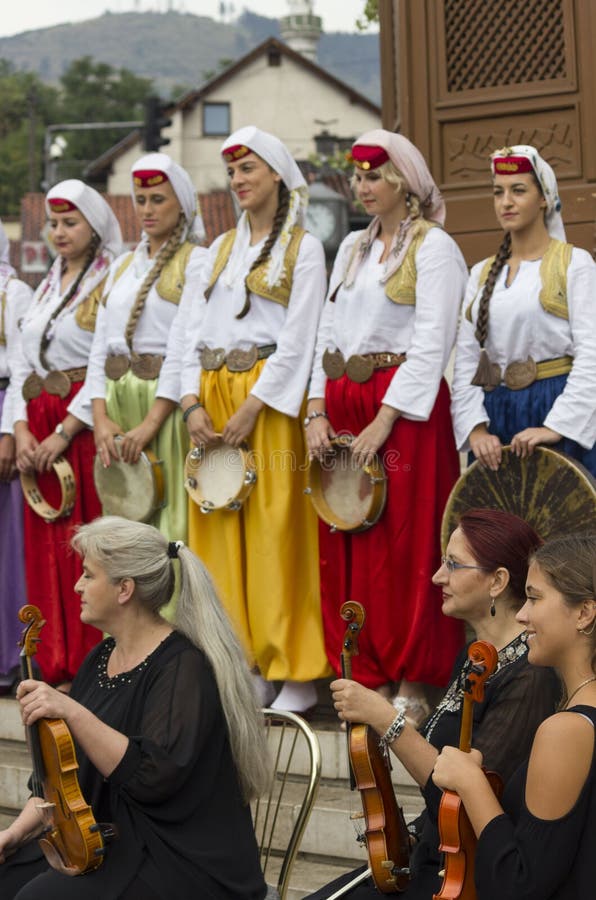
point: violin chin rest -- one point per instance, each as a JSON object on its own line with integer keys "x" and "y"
{"x": 54, "y": 858}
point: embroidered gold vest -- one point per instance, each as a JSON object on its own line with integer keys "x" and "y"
{"x": 553, "y": 278}
{"x": 3, "y": 317}
{"x": 170, "y": 283}
{"x": 86, "y": 312}
{"x": 256, "y": 280}
{"x": 401, "y": 287}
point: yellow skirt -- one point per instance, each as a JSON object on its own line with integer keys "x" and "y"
{"x": 264, "y": 557}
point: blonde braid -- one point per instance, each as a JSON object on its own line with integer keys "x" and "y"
{"x": 283, "y": 205}
{"x": 164, "y": 256}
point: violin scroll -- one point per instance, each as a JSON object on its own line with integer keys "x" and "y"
{"x": 32, "y": 618}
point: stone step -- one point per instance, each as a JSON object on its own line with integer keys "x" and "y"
{"x": 307, "y": 875}
{"x": 11, "y": 726}
{"x": 15, "y": 769}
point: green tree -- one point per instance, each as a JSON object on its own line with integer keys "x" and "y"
{"x": 97, "y": 92}
{"x": 26, "y": 107}
{"x": 370, "y": 14}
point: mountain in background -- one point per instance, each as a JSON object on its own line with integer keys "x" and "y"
{"x": 181, "y": 51}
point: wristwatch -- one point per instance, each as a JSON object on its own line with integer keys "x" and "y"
{"x": 61, "y": 431}
{"x": 314, "y": 415}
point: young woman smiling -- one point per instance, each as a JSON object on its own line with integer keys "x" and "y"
{"x": 538, "y": 842}
{"x": 524, "y": 367}
{"x": 258, "y": 308}
{"x": 133, "y": 389}
{"x": 51, "y": 416}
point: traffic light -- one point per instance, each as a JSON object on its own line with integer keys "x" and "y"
{"x": 154, "y": 122}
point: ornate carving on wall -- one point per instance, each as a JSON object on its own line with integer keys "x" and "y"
{"x": 491, "y": 44}
{"x": 468, "y": 145}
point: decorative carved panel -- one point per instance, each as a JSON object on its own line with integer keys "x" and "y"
{"x": 468, "y": 145}
{"x": 490, "y": 44}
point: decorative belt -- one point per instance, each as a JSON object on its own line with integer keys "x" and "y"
{"x": 57, "y": 382}
{"x": 521, "y": 374}
{"x": 236, "y": 360}
{"x": 144, "y": 365}
{"x": 4, "y": 382}
{"x": 360, "y": 366}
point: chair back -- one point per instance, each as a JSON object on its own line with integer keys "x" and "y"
{"x": 281, "y": 815}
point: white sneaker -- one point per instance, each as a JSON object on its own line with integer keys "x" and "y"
{"x": 296, "y": 696}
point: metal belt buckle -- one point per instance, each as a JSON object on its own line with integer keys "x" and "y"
{"x": 116, "y": 366}
{"x": 334, "y": 364}
{"x": 242, "y": 360}
{"x": 360, "y": 368}
{"x": 212, "y": 358}
{"x": 32, "y": 386}
{"x": 57, "y": 383}
{"x": 146, "y": 365}
{"x": 520, "y": 374}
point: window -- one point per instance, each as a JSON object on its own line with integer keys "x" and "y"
{"x": 216, "y": 119}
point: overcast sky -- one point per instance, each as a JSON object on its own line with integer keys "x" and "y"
{"x": 28, "y": 15}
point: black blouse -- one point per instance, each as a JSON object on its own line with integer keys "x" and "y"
{"x": 521, "y": 857}
{"x": 517, "y": 698}
{"x": 174, "y": 796}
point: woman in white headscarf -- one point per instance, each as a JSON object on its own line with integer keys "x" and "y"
{"x": 525, "y": 370}
{"x": 385, "y": 336}
{"x": 134, "y": 391}
{"x": 50, "y": 415}
{"x": 15, "y": 297}
{"x": 246, "y": 364}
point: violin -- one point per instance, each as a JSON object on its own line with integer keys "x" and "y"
{"x": 70, "y": 831}
{"x": 386, "y": 836}
{"x": 458, "y": 840}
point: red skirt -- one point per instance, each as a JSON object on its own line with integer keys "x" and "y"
{"x": 388, "y": 568}
{"x": 52, "y": 568}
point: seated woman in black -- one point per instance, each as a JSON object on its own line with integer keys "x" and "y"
{"x": 483, "y": 580}
{"x": 539, "y": 844}
{"x": 169, "y": 737}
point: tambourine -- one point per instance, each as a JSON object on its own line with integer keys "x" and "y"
{"x": 68, "y": 488}
{"x": 134, "y": 491}
{"x": 346, "y": 495}
{"x": 552, "y": 492}
{"x": 219, "y": 476}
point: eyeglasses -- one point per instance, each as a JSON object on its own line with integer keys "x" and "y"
{"x": 452, "y": 566}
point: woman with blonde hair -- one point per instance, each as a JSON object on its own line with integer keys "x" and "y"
{"x": 524, "y": 366}
{"x": 170, "y": 739}
{"x": 133, "y": 388}
{"x": 248, "y": 352}
{"x": 50, "y": 414}
{"x": 538, "y": 841}
{"x": 384, "y": 340}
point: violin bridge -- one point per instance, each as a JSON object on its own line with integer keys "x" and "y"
{"x": 45, "y": 805}
{"x": 387, "y": 864}
{"x": 356, "y": 815}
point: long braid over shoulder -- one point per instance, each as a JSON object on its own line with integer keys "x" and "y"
{"x": 164, "y": 256}
{"x": 283, "y": 205}
{"x": 94, "y": 244}
{"x": 485, "y": 375}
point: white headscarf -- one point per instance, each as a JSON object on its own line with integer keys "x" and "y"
{"x": 410, "y": 162}
{"x": 276, "y": 155}
{"x": 95, "y": 209}
{"x": 181, "y": 185}
{"x": 548, "y": 184}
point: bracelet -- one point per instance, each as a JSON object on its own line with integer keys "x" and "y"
{"x": 393, "y": 732}
{"x": 61, "y": 432}
{"x": 314, "y": 415}
{"x": 190, "y": 409}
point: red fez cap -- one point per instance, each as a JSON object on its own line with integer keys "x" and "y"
{"x": 237, "y": 151}
{"x": 59, "y": 204}
{"x": 147, "y": 178}
{"x": 511, "y": 165}
{"x": 367, "y": 157}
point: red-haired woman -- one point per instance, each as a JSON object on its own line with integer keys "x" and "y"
{"x": 482, "y": 579}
